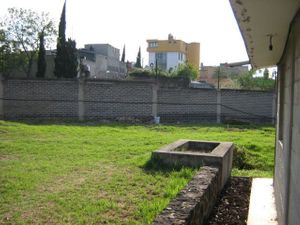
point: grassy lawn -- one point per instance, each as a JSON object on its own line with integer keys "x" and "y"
{"x": 96, "y": 174}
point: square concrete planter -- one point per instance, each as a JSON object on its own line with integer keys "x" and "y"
{"x": 197, "y": 153}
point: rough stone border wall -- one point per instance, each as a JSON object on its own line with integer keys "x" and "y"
{"x": 193, "y": 204}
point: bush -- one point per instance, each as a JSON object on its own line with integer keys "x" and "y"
{"x": 141, "y": 73}
{"x": 183, "y": 71}
{"x": 247, "y": 81}
{"x": 186, "y": 70}
{"x": 240, "y": 159}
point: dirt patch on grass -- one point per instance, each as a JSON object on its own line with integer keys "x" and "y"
{"x": 8, "y": 157}
{"x": 38, "y": 215}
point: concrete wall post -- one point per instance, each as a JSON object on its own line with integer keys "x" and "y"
{"x": 274, "y": 108}
{"x": 1, "y": 97}
{"x": 81, "y": 110}
{"x": 219, "y": 102}
{"x": 154, "y": 100}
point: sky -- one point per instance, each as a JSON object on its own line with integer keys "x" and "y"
{"x": 132, "y": 22}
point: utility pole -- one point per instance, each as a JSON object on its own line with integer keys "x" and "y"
{"x": 219, "y": 71}
{"x": 156, "y": 67}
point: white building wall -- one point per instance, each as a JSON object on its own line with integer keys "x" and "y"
{"x": 152, "y": 58}
{"x": 287, "y": 157}
{"x": 172, "y": 60}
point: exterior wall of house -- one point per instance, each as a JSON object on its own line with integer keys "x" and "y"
{"x": 287, "y": 160}
{"x": 167, "y": 60}
{"x": 105, "y": 68}
{"x": 104, "y": 49}
{"x": 193, "y": 54}
{"x": 152, "y": 58}
{"x": 173, "y": 59}
{"x": 104, "y": 63}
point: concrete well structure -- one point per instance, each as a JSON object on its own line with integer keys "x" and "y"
{"x": 196, "y": 153}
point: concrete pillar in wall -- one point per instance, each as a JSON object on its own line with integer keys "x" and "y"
{"x": 274, "y": 109}
{"x": 219, "y": 102}
{"x": 81, "y": 111}
{"x": 154, "y": 100}
{"x": 1, "y": 97}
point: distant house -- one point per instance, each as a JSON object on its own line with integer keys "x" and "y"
{"x": 209, "y": 72}
{"x": 103, "y": 61}
{"x": 171, "y": 53}
{"x": 271, "y": 32}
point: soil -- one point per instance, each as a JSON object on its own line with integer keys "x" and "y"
{"x": 233, "y": 204}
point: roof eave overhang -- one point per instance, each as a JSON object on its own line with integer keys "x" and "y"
{"x": 264, "y": 23}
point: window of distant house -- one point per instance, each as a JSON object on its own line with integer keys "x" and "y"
{"x": 159, "y": 55}
{"x": 180, "y": 56}
{"x": 153, "y": 44}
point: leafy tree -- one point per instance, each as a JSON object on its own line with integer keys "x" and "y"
{"x": 138, "y": 59}
{"x": 66, "y": 53}
{"x": 21, "y": 29}
{"x": 123, "y": 55}
{"x": 9, "y": 58}
{"x": 247, "y": 81}
{"x": 41, "y": 62}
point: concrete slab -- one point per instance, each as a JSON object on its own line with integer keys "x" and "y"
{"x": 262, "y": 209}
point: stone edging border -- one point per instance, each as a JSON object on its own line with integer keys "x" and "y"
{"x": 194, "y": 203}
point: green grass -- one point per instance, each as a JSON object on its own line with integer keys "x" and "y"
{"x": 80, "y": 173}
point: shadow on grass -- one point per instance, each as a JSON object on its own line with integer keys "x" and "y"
{"x": 73, "y": 122}
{"x": 154, "y": 166}
{"x": 113, "y": 123}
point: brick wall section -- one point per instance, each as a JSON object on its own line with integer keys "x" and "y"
{"x": 40, "y": 99}
{"x": 97, "y": 99}
{"x": 187, "y": 104}
{"x": 117, "y": 99}
{"x": 193, "y": 204}
{"x": 247, "y": 105}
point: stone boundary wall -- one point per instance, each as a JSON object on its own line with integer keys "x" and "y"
{"x": 194, "y": 203}
{"x": 249, "y": 105}
{"x": 127, "y": 100}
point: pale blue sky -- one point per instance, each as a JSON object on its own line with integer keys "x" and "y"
{"x": 132, "y": 22}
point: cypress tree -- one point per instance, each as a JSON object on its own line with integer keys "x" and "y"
{"x": 61, "y": 51}
{"x": 41, "y": 63}
{"x": 66, "y": 52}
{"x": 138, "y": 59}
{"x": 123, "y": 55}
{"x": 71, "y": 66}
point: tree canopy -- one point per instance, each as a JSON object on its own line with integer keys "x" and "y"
{"x": 20, "y": 31}
{"x": 248, "y": 81}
